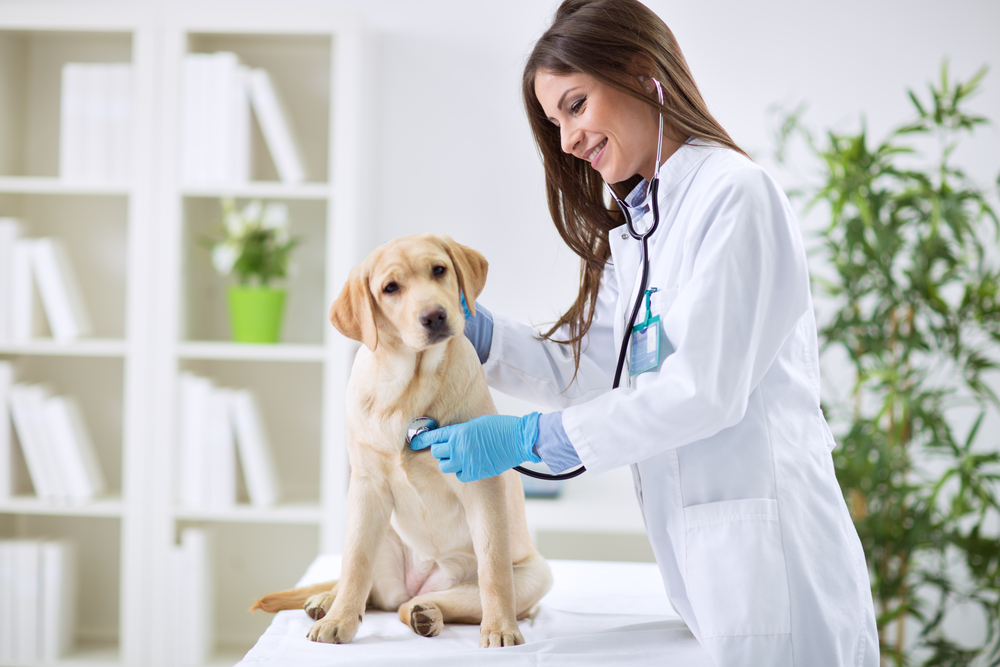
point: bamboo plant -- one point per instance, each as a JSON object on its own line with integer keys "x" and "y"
{"x": 914, "y": 290}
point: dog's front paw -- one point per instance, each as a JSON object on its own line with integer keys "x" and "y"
{"x": 333, "y": 631}
{"x": 318, "y": 605}
{"x": 500, "y": 636}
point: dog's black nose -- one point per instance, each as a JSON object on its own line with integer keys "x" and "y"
{"x": 434, "y": 319}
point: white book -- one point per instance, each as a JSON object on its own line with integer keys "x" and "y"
{"x": 119, "y": 122}
{"x": 221, "y": 149}
{"x": 10, "y": 229}
{"x": 57, "y": 595}
{"x": 59, "y": 289}
{"x": 240, "y": 157}
{"x": 74, "y": 449}
{"x": 25, "y": 600}
{"x": 94, "y": 143}
{"x": 224, "y": 68}
{"x": 254, "y": 450}
{"x": 193, "y": 120}
{"x": 6, "y": 433}
{"x": 6, "y": 602}
{"x": 195, "y": 596}
{"x": 72, "y": 121}
{"x": 221, "y": 450}
{"x": 22, "y": 401}
{"x": 275, "y": 124}
{"x": 192, "y": 465}
{"x": 22, "y": 296}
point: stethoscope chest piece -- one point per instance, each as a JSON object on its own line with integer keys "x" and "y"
{"x": 418, "y": 426}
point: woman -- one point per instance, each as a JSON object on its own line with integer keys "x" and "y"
{"x": 718, "y": 410}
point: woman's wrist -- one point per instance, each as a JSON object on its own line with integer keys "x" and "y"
{"x": 479, "y": 330}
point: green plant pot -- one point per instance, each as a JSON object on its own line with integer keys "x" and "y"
{"x": 255, "y": 313}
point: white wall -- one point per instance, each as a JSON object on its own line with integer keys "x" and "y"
{"x": 453, "y": 152}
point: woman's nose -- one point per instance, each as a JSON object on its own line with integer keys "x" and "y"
{"x": 569, "y": 138}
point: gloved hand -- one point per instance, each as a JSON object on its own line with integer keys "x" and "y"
{"x": 482, "y": 447}
{"x": 478, "y": 329}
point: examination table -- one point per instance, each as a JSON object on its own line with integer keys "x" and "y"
{"x": 597, "y": 613}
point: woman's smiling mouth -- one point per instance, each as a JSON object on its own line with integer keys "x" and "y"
{"x": 589, "y": 157}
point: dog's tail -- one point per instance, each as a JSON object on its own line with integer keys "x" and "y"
{"x": 294, "y": 598}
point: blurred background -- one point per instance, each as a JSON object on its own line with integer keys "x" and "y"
{"x": 409, "y": 120}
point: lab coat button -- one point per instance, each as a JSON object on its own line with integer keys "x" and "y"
{"x": 624, "y": 236}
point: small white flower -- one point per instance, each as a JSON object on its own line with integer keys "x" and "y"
{"x": 275, "y": 216}
{"x": 252, "y": 211}
{"x": 224, "y": 256}
{"x": 236, "y": 224}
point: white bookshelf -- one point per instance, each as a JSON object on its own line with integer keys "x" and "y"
{"x": 158, "y": 309}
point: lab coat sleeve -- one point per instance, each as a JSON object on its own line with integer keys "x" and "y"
{"x": 540, "y": 371}
{"x": 747, "y": 289}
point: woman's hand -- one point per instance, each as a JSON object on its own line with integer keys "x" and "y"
{"x": 483, "y": 447}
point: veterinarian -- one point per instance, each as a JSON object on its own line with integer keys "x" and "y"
{"x": 718, "y": 408}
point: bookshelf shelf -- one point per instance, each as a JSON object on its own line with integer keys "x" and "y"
{"x": 263, "y": 190}
{"x": 77, "y": 348}
{"x": 107, "y": 508}
{"x": 212, "y": 350}
{"x": 46, "y": 185}
{"x": 308, "y": 514}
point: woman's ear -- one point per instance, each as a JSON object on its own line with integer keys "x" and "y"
{"x": 353, "y": 313}
{"x": 471, "y": 268}
{"x": 643, "y": 69}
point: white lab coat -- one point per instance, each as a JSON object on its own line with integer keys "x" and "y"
{"x": 729, "y": 450}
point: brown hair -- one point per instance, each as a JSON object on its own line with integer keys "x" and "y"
{"x": 605, "y": 39}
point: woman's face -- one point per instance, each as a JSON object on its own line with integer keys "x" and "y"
{"x": 613, "y": 131}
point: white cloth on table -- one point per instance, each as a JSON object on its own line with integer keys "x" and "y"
{"x": 597, "y": 613}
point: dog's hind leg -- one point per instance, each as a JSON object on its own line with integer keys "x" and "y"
{"x": 426, "y": 614}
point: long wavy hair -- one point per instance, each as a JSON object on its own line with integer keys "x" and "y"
{"x": 607, "y": 40}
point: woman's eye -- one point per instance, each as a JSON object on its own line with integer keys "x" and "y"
{"x": 438, "y": 270}
{"x": 390, "y": 288}
{"x": 578, "y": 105}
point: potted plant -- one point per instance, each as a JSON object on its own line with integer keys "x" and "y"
{"x": 256, "y": 248}
{"x": 914, "y": 290}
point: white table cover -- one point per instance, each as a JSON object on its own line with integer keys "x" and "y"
{"x": 597, "y": 613}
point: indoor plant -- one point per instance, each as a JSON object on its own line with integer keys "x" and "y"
{"x": 256, "y": 247}
{"x": 914, "y": 292}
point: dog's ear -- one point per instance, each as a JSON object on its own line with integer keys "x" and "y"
{"x": 353, "y": 313}
{"x": 471, "y": 267}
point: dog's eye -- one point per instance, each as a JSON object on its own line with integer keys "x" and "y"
{"x": 390, "y": 288}
{"x": 439, "y": 270}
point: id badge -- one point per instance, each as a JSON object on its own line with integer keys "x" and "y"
{"x": 645, "y": 346}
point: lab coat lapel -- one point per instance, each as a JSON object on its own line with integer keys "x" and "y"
{"x": 625, "y": 256}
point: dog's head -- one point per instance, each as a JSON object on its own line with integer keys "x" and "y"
{"x": 409, "y": 289}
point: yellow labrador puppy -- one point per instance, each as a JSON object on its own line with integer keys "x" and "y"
{"x": 419, "y": 541}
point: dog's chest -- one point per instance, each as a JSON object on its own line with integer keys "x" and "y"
{"x": 427, "y": 513}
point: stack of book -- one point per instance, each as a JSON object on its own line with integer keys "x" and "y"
{"x": 54, "y": 440}
{"x": 217, "y": 96}
{"x": 95, "y": 123}
{"x": 43, "y": 262}
{"x": 215, "y": 423}
{"x": 37, "y": 600}
{"x": 193, "y": 596}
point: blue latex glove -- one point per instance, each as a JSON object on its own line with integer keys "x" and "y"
{"x": 479, "y": 329}
{"x": 483, "y": 447}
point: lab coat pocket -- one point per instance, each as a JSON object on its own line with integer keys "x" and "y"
{"x": 736, "y": 577}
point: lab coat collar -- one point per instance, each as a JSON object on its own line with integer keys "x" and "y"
{"x": 625, "y": 249}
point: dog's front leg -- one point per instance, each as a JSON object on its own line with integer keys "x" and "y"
{"x": 369, "y": 506}
{"x": 486, "y": 510}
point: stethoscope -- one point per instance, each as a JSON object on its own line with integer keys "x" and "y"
{"x": 422, "y": 424}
